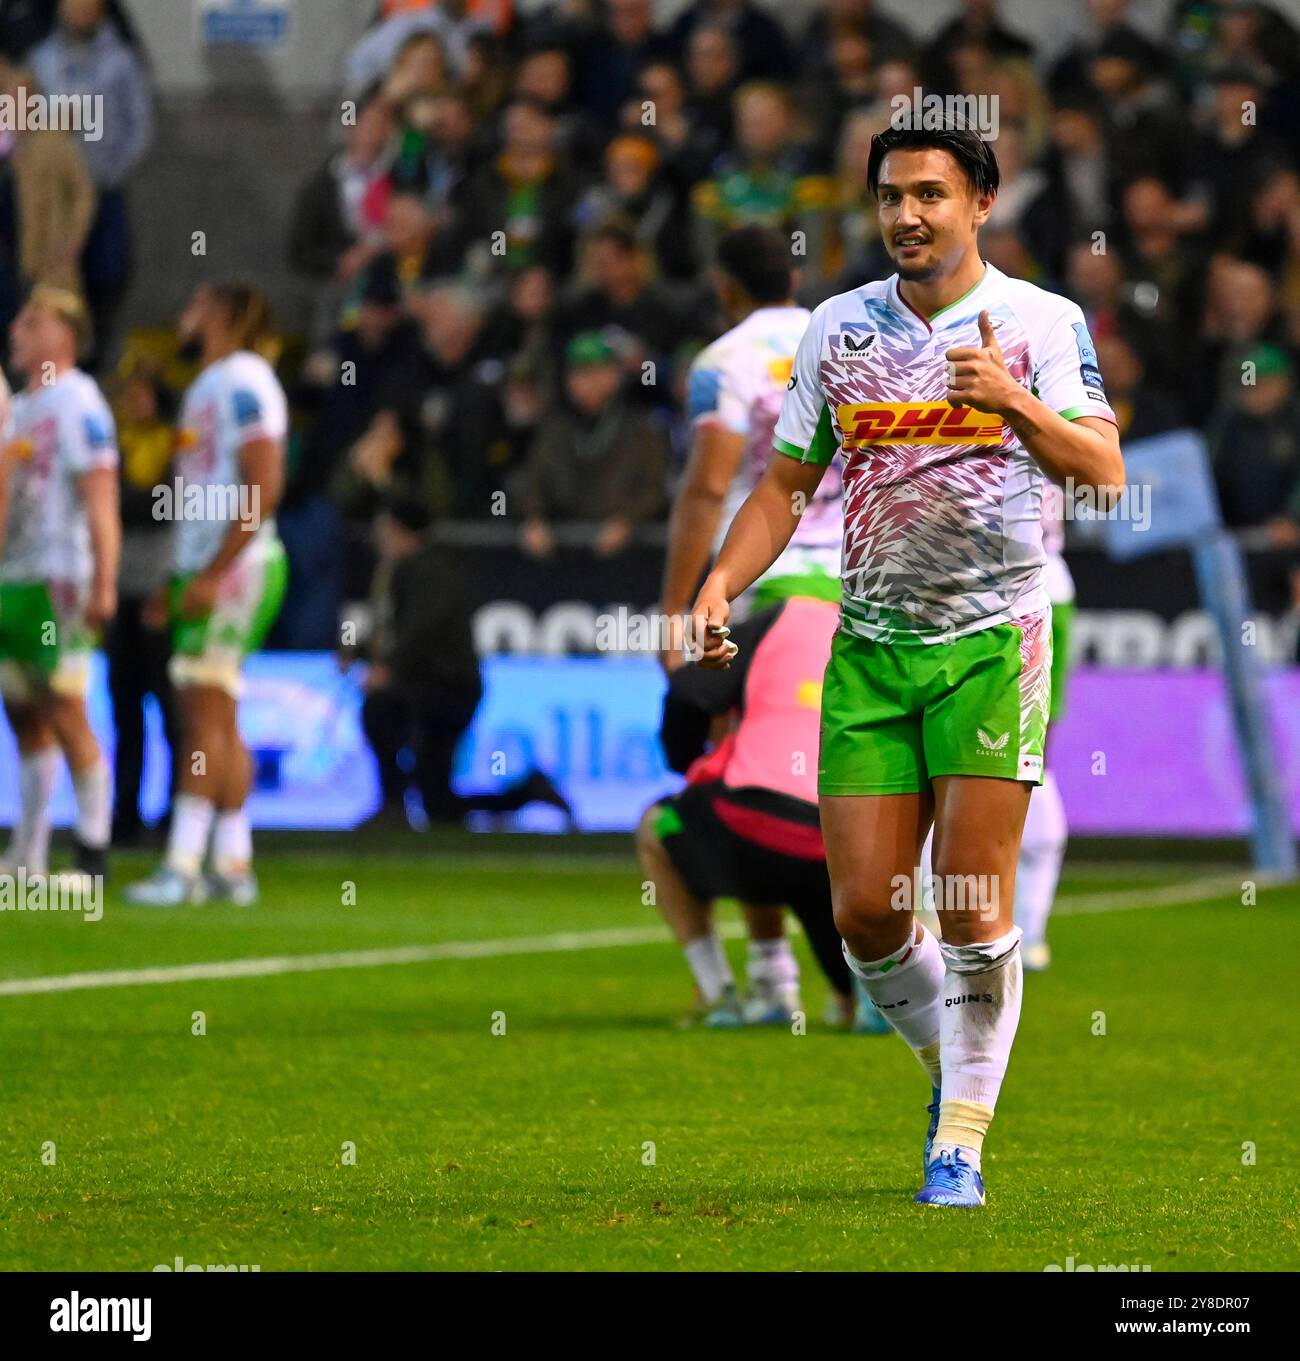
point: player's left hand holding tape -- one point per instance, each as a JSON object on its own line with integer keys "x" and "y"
{"x": 711, "y": 644}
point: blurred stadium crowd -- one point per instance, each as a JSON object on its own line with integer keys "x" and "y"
{"x": 509, "y": 238}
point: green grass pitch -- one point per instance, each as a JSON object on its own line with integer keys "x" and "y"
{"x": 593, "y": 1134}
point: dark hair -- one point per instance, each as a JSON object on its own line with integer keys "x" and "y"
{"x": 617, "y": 232}
{"x": 247, "y": 311}
{"x": 758, "y": 259}
{"x": 971, "y": 152}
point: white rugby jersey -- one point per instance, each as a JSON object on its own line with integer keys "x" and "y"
{"x": 942, "y": 505}
{"x": 59, "y": 432}
{"x": 738, "y": 383}
{"x": 231, "y": 403}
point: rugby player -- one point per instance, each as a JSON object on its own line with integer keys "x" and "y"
{"x": 734, "y": 393}
{"x": 229, "y": 577}
{"x": 58, "y": 576}
{"x": 951, "y": 390}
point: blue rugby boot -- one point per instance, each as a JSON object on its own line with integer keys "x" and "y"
{"x": 951, "y": 1180}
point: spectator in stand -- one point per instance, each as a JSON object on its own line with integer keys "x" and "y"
{"x": 485, "y": 80}
{"x": 1241, "y": 312}
{"x": 760, "y": 40}
{"x": 381, "y": 358}
{"x": 611, "y": 53}
{"x": 619, "y": 296}
{"x": 1235, "y": 156}
{"x": 766, "y": 181}
{"x": 888, "y": 39}
{"x": 976, "y": 26}
{"x": 457, "y": 405}
{"x": 445, "y": 154}
{"x": 87, "y": 56}
{"x": 382, "y": 361}
{"x": 47, "y": 204}
{"x": 521, "y": 326}
{"x": 526, "y": 395}
{"x": 518, "y": 209}
{"x": 1102, "y": 19}
{"x": 420, "y": 241}
{"x": 1270, "y": 238}
{"x": 1094, "y": 279}
{"x": 545, "y": 77}
{"x": 1259, "y": 38}
{"x": 412, "y": 88}
{"x": 425, "y": 440}
{"x": 453, "y": 22}
{"x": 1255, "y": 444}
{"x": 423, "y": 684}
{"x": 687, "y": 146}
{"x": 1023, "y": 204}
{"x": 1145, "y": 132}
{"x": 711, "y": 67}
{"x": 337, "y": 226}
{"x": 1079, "y": 195}
{"x": 597, "y": 456}
{"x": 839, "y": 91}
{"x": 1006, "y": 249}
{"x": 1158, "y": 254}
{"x": 1141, "y": 408}
{"x": 337, "y": 223}
{"x": 854, "y": 250}
{"x": 144, "y": 413}
{"x": 635, "y": 192}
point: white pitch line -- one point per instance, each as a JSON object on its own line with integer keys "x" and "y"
{"x": 268, "y": 966}
{"x": 561, "y": 943}
{"x": 1170, "y": 895}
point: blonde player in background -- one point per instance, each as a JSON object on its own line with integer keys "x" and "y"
{"x": 58, "y": 576}
{"x": 228, "y": 583}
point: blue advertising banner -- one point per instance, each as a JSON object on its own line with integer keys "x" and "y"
{"x": 1172, "y": 764}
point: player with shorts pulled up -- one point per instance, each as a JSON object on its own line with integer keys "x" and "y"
{"x": 951, "y": 389}
{"x": 58, "y": 575}
{"x": 229, "y": 576}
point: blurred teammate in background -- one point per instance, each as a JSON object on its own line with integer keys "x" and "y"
{"x": 746, "y": 825}
{"x": 734, "y": 394}
{"x": 1042, "y": 845}
{"x": 58, "y": 579}
{"x": 228, "y": 582}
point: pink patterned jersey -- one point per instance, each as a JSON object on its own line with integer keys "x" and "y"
{"x": 738, "y": 383}
{"x": 942, "y": 506}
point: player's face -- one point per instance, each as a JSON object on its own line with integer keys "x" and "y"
{"x": 35, "y": 337}
{"x": 929, "y": 212}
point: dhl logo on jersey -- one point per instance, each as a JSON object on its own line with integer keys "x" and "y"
{"x": 916, "y": 423}
{"x": 22, "y": 447}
